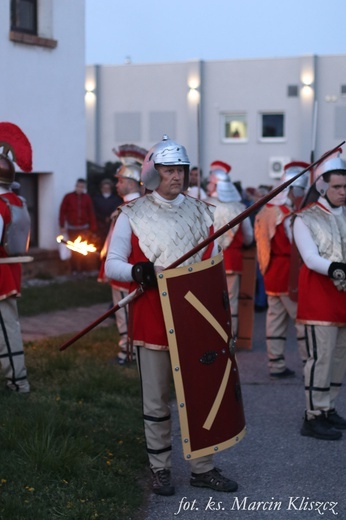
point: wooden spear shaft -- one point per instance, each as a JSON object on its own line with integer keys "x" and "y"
{"x": 232, "y": 223}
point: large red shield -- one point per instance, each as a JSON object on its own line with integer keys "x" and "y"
{"x": 198, "y": 322}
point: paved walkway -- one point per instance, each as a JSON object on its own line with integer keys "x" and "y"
{"x": 281, "y": 474}
{"x": 61, "y": 322}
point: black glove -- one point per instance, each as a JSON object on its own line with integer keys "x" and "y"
{"x": 144, "y": 273}
{"x": 337, "y": 271}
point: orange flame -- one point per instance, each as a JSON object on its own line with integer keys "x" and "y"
{"x": 78, "y": 245}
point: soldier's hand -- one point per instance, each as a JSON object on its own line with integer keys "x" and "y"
{"x": 144, "y": 274}
{"x": 337, "y": 271}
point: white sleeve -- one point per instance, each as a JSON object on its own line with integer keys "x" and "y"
{"x": 117, "y": 266}
{"x": 247, "y": 231}
{"x": 308, "y": 249}
{"x": 1, "y": 226}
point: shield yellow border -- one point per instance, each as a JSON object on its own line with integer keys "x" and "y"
{"x": 230, "y": 363}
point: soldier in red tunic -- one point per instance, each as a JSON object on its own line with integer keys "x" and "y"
{"x": 320, "y": 234}
{"x": 14, "y": 234}
{"x": 273, "y": 239}
{"x": 150, "y": 233}
{"x": 225, "y": 196}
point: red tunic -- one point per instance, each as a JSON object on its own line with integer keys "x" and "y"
{"x": 78, "y": 211}
{"x": 277, "y": 275}
{"x": 233, "y": 256}
{"x": 148, "y": 327}
{"x": 10, "y": 274}
{"x": 319, "y": 301}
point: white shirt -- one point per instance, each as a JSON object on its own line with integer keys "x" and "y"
{"x": 306, "y": 245}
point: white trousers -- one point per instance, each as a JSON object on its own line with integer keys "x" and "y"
{"x": 156, "y": 382}
{"x": 280, "y": 309}
{"x": 325, "y": 367}
{"x": 11, "y": 347}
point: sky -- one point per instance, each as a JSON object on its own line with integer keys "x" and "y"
{"x": 154, "y": 31}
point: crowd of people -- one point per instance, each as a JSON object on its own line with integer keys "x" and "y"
{"x": 158, "y": 211}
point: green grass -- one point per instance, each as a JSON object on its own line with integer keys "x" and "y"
{"x": 74, "y": 447}
{"x": 60, "y": 296}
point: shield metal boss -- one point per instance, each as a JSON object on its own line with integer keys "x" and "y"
{"x": 198, "y": 322}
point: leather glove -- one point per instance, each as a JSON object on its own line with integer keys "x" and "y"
{"x": 337, "y": 271}
{"x": 144, "y": 273}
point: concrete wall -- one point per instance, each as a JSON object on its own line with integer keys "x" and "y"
{"x": 42, "y": 91}
{"x": 145, "y": 91}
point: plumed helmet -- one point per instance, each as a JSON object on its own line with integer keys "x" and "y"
{"x": 13, "y": 140}
{"x": 332, "y": 164}
{"x": 7, "y": 171}
{"x": 292, "y": 169}
{"x": 167, "y": 153}
{"x": 225, "y": 189}
{"x": 129, "y": 171}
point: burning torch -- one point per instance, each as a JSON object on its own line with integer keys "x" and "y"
{"x": 79, "y": 246}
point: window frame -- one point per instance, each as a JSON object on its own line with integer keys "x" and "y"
{"x": 233, "y": 115}
{"x": 29, "y": 37}
{"x": 16, "y": 5}
{"x": 271, "y": 139}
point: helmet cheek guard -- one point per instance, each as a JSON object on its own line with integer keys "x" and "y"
{"x": 167, "y": 153}
{"x": 332, "y": 164}
{"x": 7, "y": 171}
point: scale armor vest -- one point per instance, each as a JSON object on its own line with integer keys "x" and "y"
{"x": 328, "y": 232}
{"x": 166, "y": 232}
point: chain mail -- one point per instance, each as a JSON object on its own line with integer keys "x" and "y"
{"x": 166, "y": 231}
{"x": 328, "y": 232}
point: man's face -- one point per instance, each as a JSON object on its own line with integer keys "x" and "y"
{"x": 194, "y": 177}
{"x": 172, "y": 181}
{"x": 210, "y": 188}
{"x": 106, "y": 188}
{"x": 124, "y": 186}
{"x": 80, "y": 187}
{"x": 336, "y": 192}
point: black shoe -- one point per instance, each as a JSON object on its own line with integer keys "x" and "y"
{"x": 320, "y": 428}
{"x": 213, "y": 480}
{"x": 335, "y": 420}
{"x": 162, "y": 483}
{"x": 282, "y": 375}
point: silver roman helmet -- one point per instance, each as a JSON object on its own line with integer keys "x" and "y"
{"x": 167, "y": 153}
{"x": 129, "y": 171}
{"x": 220, "y": 176}
{"x": 332, "y": 164}
{"x": 292, "y": 169}
{"x": 132, "y": 157}
{"x": 298, "y": 186}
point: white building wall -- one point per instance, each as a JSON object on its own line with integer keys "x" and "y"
{"x": 253, "y": 87}
{"x": 43, "y": 93}
{"x": 150, "y": 94}
{"x": 331, "y": 75}
{"x": 246, "y": 86}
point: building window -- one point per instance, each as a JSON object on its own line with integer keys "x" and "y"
{"x": 27, "y": 17}
{"x": 234, "y": 127}
{"x": 24, "y": 16}
{"x": 343, "y": 90}
{"x": 272, "y": 126}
